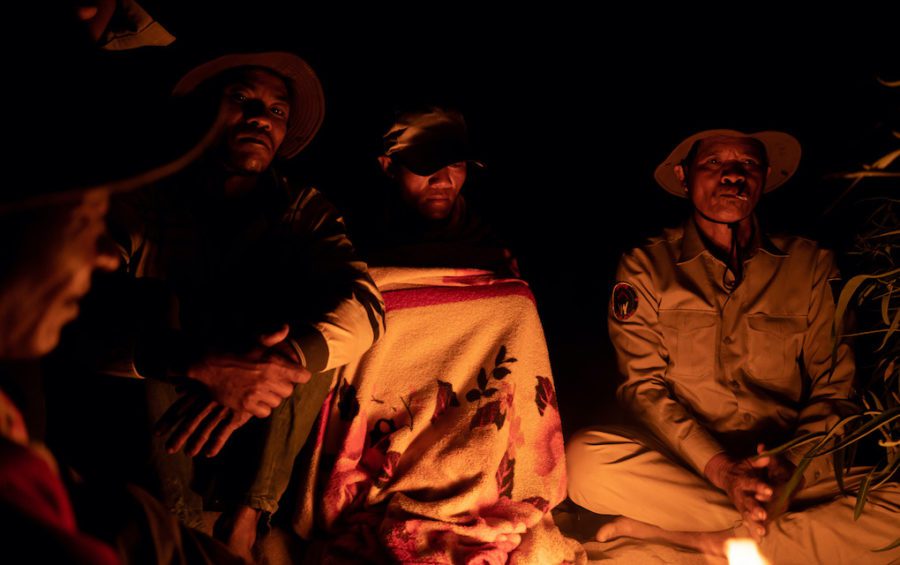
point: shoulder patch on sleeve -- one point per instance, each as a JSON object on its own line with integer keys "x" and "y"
{"x": 624, "y": 301}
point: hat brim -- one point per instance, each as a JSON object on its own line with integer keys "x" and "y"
{"x": 782, "y": 149}
{"x": 134, "y": 181}
{"x": 307, "y": 98}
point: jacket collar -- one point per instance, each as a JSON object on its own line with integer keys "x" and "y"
{"x": 693, "y": 243}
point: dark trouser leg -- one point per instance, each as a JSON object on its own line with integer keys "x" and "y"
{"x": 174, "y": 471}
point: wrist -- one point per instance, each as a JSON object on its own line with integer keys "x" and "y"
{"x": 290, "y": 350}
{"x": 715, "y": 469}
{"x": 297, "y": 351}
{"x": 198, "y": 371}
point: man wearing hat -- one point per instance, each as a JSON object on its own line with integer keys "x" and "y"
{"x": 723, "y": 335}
{"x": 256, "y": 287}
{"x": 423, "y": 219}
{"x": 60, "y": 241}
{"x": 54, "y": 240}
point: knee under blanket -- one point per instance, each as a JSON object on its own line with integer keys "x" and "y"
{"x": 443, "y": 443}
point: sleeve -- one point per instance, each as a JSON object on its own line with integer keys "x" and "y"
{"x": 643, "y": 361}
{"x": 351, "y": 313}
{"x": 829, "y": 385}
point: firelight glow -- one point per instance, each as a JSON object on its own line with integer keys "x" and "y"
{"x": 743, "y": 551}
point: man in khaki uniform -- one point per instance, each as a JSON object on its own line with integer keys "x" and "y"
{"x": 723, "y": 335}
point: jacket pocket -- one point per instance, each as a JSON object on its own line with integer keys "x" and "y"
{"x": 775, "y": 344}
{"x": 690, "y": 337}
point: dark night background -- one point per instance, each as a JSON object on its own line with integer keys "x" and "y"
{"x": 572, "y": 114}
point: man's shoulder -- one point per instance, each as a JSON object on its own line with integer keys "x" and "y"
{"x": 801, "y": 251}
{"x": 293, "y": 189}
{"x": 299, "y": 195}
{"x": 664, "y": 243}
{"x": 307, "y": 208}
{"x": 794, "y": 243}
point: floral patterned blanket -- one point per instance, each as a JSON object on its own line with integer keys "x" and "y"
{"x": 443, "y": 443}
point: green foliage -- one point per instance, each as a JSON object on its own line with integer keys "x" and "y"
{"x": 868, "y": 314}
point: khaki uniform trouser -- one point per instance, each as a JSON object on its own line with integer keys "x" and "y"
{"x": 255, "y": 466}
{"x": 626, "y": 472}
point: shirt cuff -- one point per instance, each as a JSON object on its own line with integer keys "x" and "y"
{"x": 819, "y": 468}
{"x": 312, "y": 349}
{"x": 698, "y": 448}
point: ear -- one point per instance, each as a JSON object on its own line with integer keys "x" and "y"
{"x": 387, "y": 165}
{"x": 679, "y": 172}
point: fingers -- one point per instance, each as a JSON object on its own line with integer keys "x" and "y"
{"x": 754, "y": 510}
{"x": 754, "y": 517}
{"x": 223, "y": 431}
{"x": 282, "y": 389}
{"x": 279, "y": 370}
{"x": 198, "y": 440}
{"x": 260, "y": 401}
{"x": 188, "y": 425}
{"x": 756, "y": 528}
{"x": 174, "y": 415}
{"x": 303, "y": 375}
{"x": 747, "y": 493}
{"x": 269, "y": 399}
{"x": 752, "y": 489}
{"x": 760, "y": 462}
{"x": 274, "y": 338}
{"x": 207, "y": 431}
{"x": 761, "y": 491}
{"x": 254, "y": 386}
{"x": 258, "y": 409}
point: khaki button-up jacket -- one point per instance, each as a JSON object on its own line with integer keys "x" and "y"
{"x": 712, "y": 367}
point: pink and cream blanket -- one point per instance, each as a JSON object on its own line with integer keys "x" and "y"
{"x": 443, "y": 443}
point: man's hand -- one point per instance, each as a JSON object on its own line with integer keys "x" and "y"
{"x": 196, "y": 422}
{"x": 779, "y": 471}
{"x": 256, "y": 382}
{"x": 740, "y": 479}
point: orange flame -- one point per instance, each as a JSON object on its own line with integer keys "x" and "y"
{"x": 743, "y": 551}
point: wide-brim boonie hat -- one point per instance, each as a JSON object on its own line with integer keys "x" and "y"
{"x": 306, "y": 96}
{"x": 96, "y": 136}
{"x": 782, "y": 151}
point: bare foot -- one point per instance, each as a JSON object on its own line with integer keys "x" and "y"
{"x": 237, "y": 530}
{"x": 619, "y": 527}
{"x": 712, "y": 543}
